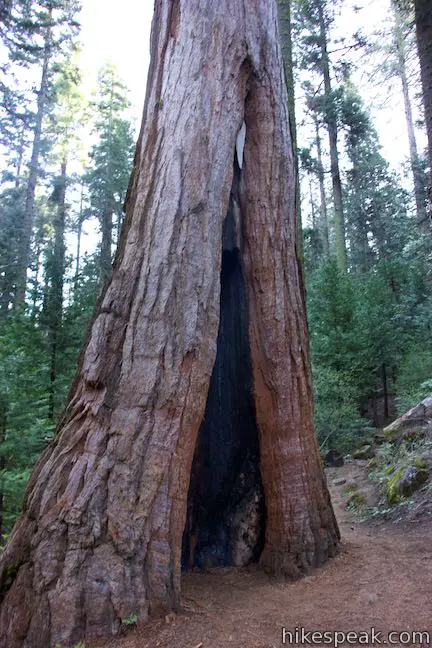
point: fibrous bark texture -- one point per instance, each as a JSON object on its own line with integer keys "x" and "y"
{"x": 100, "y": 537}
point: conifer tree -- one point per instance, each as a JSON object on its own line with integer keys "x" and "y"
{"x": 314, "y": 21}
{"x": 111, "y": 160}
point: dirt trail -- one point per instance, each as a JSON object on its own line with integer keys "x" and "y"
{"x": 381, "y": 579}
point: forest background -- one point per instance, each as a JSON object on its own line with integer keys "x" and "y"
{"x": 67, "y": 139}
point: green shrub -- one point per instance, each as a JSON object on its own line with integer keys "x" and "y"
{"x": 414, "y": 379}
{"x": 337, "y": 421}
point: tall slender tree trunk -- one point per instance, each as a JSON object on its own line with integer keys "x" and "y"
{"x": 55, "y": 299}
{"x": 107, "y": 214}
{"x": 312, "y": 203}
{"x": 418, "y": 178}
{"x": 27, "y": 226}
{"x": 100, "y": 537}
{"x": 35, "y": 292}
{"x": 323, "y": 201}
{"x": 423, "y": 19}
{"x": 79, "y": 235}
{"x": 21, "y": 147}
{"x": 285, "y": 32}
{"x": 106, "y": 243}
{"x": 331, "y": 121}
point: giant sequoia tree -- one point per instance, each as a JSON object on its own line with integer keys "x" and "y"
{"x": 207, "y": 263}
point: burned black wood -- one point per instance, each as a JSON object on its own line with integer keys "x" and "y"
{"x": 226, "y": 511}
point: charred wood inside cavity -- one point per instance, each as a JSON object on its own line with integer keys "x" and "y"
{"x": 226, "y": 512}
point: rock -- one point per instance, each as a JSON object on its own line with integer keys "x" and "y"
{"x": 365, "y": 452}
{"x": 380, "y": 437}
{"x": 362, "y": 441}
{"x": 414, "y": 434}
{"x": 334, "y": 458}
{"x": 415, "y": 418}
{"x": 339, "y": 482}
{"x": 427, "y": 457}
{"x": 427, "y": 404}
{"x": 406, "y": 480}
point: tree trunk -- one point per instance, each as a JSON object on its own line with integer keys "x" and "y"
{"x": 79, "y": 235}
{"x": 106, "y": 243}
{"x": 285, "y": 33}
{"x": 323, "y": 201}
{"x": 55, "y": 298}
{"x": 107, "y": 214}
{"x": 312, "y": 203}
{"x": 21, "y": 147}
{"x": 423, "y": 19}
{"x": 100, "y": 537}
{"x": 27, "y": 226}
{"x": 339, "y": 223}
{"x": 418, "y": 177}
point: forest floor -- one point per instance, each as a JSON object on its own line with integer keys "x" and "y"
{"x": 382, "y": 579}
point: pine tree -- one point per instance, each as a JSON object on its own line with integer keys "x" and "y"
{"x": 378, "y": 222}
{"x": 38, "y": 32}
{"x": 314, "y": 18}
{"x": 111, "y": 161}
{"x": 400, "y": 30}
{"x": 66, "y": 118}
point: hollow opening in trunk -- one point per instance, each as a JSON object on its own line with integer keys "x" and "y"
{"x": 225, "y": 522}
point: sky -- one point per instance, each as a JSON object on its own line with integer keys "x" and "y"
{"x": 118, "y": 30}
{"x": 122, "y": 35}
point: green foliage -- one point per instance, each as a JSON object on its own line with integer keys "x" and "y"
{"x": 25, "y": 426}
{"x": 40, "y": 342}
{"x": 111, "y": 156}
{"x": 391, "y": 464}
{"x": 377, "y": 221}
{"x": 356, "y": 501}
{"x": 111, "y": 160}
{"x": 11, "y": 212}
{"x": 339, "y": 356}
{"x": 337, "y": 419}
{"x": 360, "y": 324}
{"x": 414, "y": 380}
{"x": 332, "y": 313}
{"x": 130, "y": 620}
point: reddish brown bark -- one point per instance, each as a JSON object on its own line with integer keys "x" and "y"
{"x": 100, "y": 537}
